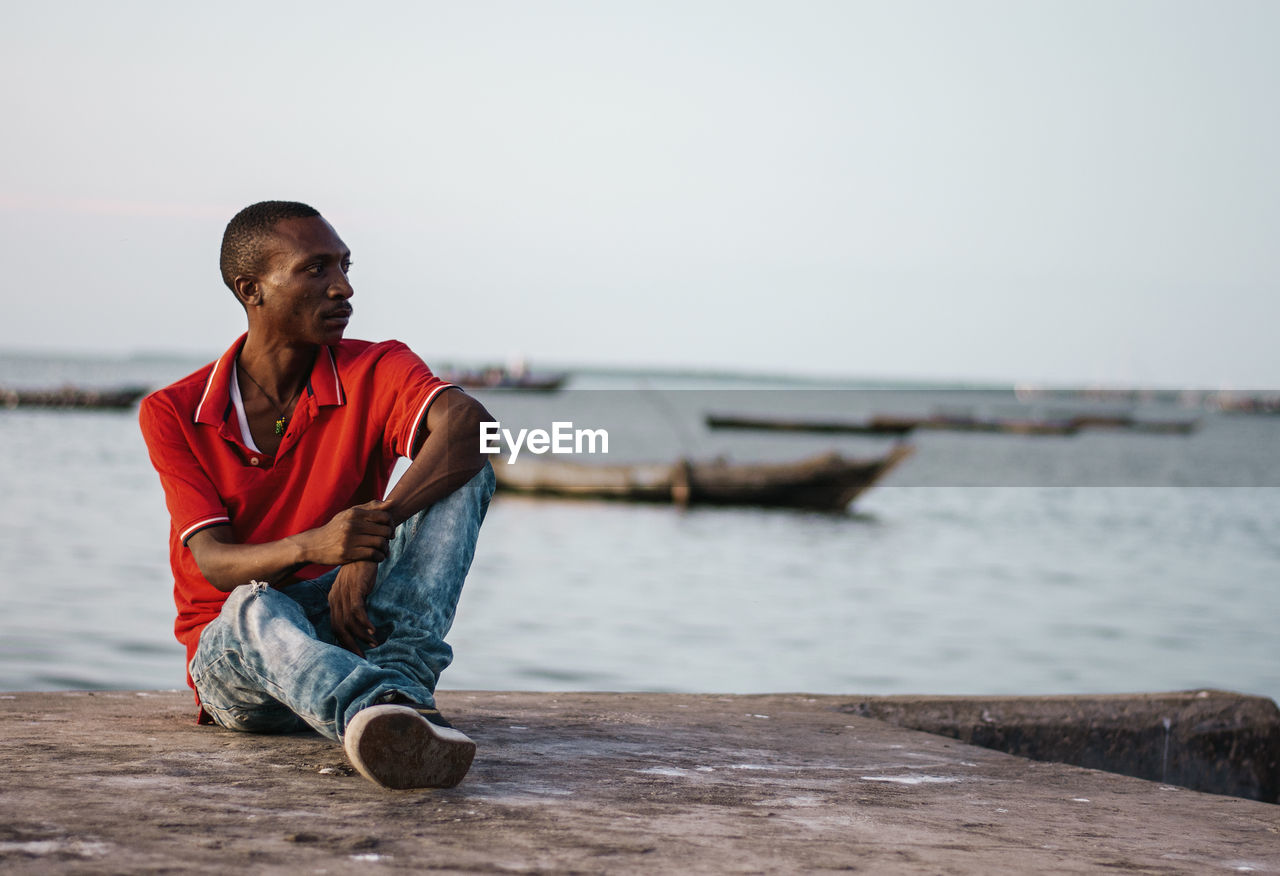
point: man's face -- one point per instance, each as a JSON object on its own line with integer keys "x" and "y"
{"x": 303, "y": 283}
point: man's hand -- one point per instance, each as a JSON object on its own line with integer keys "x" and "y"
{"x": 356, "y": 534}
{"x": 347, "y": 599}
{"x": 359, "y": 533}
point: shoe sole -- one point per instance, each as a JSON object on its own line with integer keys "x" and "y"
{"x": 396, "y": 748}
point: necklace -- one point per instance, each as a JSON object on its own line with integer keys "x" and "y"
{"x": 283, "y": 420}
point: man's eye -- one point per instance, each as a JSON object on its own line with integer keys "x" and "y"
{"x": 346, "y": 266}
{"x": 315, "y": 270}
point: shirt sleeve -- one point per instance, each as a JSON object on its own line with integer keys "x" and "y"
{"x": 415, "y": 389}
{"x": 193, "y": 502}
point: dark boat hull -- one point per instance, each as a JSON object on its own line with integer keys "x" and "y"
{"x": 826, "y": 483}
{"x": 71, "y": 397}
{"x": 838, "y": 427}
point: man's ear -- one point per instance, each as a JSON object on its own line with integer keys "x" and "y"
{"x": 248, "y": 290}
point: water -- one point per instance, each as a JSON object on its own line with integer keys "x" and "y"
{"x": 987, "y": 564}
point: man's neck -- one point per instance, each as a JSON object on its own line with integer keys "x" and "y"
{"x": 278, "y": 369}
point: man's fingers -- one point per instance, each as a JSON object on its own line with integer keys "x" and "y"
{"x": 351, "y": 645}
{"x": 350, "y": 619}
{"x": 351, "y": 627}
{"x": 365, "y": 547}
{"x": 376, "y": 511}
{"x": 362, "y": 629}
{"x": 377, "y": 543}
{"x": 337, "y": 619}
{"x": 373, "y": 526}
{"x": 382, "y": 530}
{"x": 348, "y": 635}
{"x": 375, "y": 551}
{"x": 344, "y": 640}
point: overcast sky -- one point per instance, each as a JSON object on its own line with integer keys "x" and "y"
{"x": 1050, "y": 191}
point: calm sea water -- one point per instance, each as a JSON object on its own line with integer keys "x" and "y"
{"x": 1104, "y": 562}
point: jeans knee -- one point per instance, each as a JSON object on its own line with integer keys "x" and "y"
{"x": 242, "y": 594}
{"x": 238, "y": 601}
{"x": 251, "y": 607}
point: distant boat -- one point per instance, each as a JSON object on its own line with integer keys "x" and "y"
{"x": 1133, "y": 424}
{"x": 966, "y": 423}
{"x": 503, "y": 378}
{"x": 1239, "y": 403}
{"x": 826, "y": 483}
{"x": 73, "y": 397}
{"x": 783, "y": 424}
{"x": 1165, "y": 427}
{"x": 898, "y": 425}
{"x": 1062, "y": 426}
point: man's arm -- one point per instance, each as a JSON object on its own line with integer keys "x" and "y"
{"x": 359, "y": 533}
{"x": 448, "y": 456}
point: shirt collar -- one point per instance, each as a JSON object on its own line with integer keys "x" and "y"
{"x": 323, "y": 385}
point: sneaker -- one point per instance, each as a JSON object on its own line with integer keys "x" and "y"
{"x": 407, "y": 746}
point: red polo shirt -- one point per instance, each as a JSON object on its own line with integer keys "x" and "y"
{"x": 360, "y": 411}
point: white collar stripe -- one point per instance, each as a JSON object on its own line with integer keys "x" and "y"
{"x": 208, "y": 384}
{"x": 337, "y": 384}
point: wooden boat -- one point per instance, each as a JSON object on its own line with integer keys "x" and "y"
{"x": 1238, "y": 403}
{"x": 1166, "y": 427}
{"x": 966, "y": 423}
{"x": 72, "y": 397}
{"x": 1060, "y": 426}
{"x": 827, "y": 483}
{"x": 1126, "y": 422}
{"x": 838, "y": 427}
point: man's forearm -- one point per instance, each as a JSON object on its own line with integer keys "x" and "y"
{"x": 359, "y": 533}
{"x": 448, "y": 458}
{"x": 226, "y": 565}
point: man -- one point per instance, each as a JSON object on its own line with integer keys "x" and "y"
{"x": 303, "y": 595}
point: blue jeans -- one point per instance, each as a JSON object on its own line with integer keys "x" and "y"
{"x": 270, "y": 659}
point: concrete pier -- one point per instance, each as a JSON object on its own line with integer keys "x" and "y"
{"x": 124, "y": 782}
{"x": 1206, "y": 740}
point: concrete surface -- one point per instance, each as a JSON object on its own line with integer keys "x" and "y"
{"x": 1206, "y": 740}
{"x": 124, "y": 782}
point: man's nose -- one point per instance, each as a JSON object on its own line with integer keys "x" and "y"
{"x": 341, "y": 287}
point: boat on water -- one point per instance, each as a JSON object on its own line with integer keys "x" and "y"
{"x": 1065, "y": 425}
{"x": 968, "y": 423}
{"x": 784, "y": 424}
{"x": 73, "y": 398}
{"x": 882, "y": 424}
{"x": 896, "y": 425}
{"x": 1240, "y": 403}
{"x": 1127, "y": 422}
{"x": 828, "y": 482}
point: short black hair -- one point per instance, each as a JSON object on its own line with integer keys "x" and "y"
{"x": 242, "y": 241}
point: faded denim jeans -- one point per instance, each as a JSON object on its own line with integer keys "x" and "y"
{"x": 270, "y": 659}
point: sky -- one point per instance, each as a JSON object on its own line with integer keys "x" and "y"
{"x": 1082, "y": 192}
